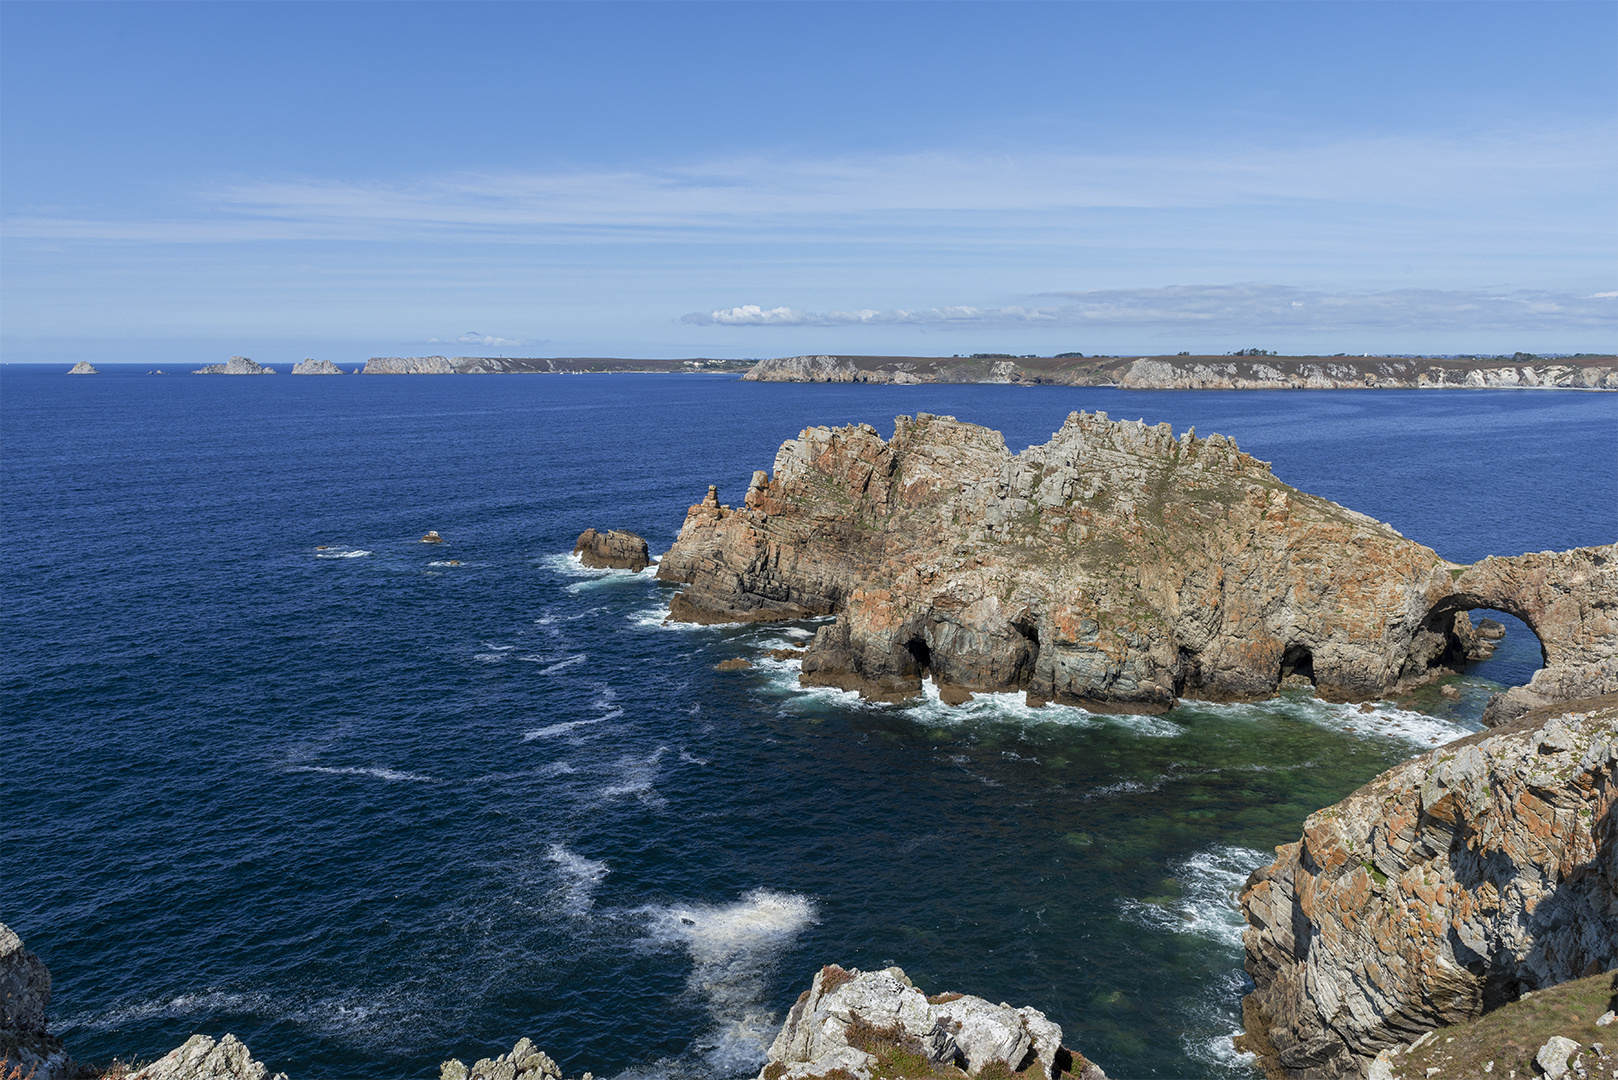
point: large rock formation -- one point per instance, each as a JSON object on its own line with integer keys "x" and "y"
{"x": 237, "y": 365}
{"x": 1201, "y": 372}
{"x": 83, "y": 367}
{"x": 1116, "y": 566}
{"x": 408, "y": 365}
{"x": 25, "y": 997}
{"x": 316, "y": 367}
{"x": 1448, "y": 885}
{"x": 201, "y": 1058}
{"x": 614, "y": 549}
{"x": 858, "y": 1025}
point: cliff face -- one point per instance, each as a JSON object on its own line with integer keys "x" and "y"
{"x": 1447, "y": 886}
{"x": 1198, "y": 372}
{"x": 1115, "y": 565}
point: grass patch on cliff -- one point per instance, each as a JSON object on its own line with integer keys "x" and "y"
{"x": 1503, "y": 1043}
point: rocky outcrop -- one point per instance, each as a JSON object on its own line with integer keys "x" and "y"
{"x": 237, "y": 365}
{"x": 201, "y": 1058}
{"x": 25, "y": 998}
{"x": 1117, "y": 566}
{"x": 852, "y": 1024}
{"x": 1200, "y": 372}
{"x": 316, "y": 367}
{"x": 523, "y": 1063}
{"x": 83, "y": 367}
{"x": 408, "y": 365}
{"x": 1447, "y": 886}
{"x": 614, "y": 549}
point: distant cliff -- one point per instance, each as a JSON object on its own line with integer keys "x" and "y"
{"x": 1447, "y": 886}
{"x": 556, "y": 365}
{"x": 1199, "y": 372}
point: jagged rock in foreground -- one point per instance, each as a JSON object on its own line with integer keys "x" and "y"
{"x": 614, "y": 549}
{"x": 316, "y": 367}
{"x": 237, "y": 365}
{"x": 523, "y": 1063}
{"x": 83, "y": 367}
{"x": 200, "y": 1058}
{"x": 1447, "y": 886}
{"x": 855, "y": 1024}
{"x": 1116, "y": 567}
{"x": 25, "y": 997}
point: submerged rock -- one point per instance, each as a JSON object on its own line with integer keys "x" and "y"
{"x": 316, "y": 367}
{"x": 200, "y": 1058}
{"x": 614, "y": 549}
{"x": 1116, "y": 566}
{"x": 237, "y": 365}
{"x": 25, "y": 998}
{"x": 83, "y": 367}
{"x": 523, "y": 1063}
{"x": 1447, "y": 886}
{"x": 865, "y": 1025}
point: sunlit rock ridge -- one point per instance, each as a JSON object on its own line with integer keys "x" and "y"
{"x": 1117, "y": 566}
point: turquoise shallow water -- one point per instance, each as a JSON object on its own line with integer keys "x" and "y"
{"x": 367, "y": 812}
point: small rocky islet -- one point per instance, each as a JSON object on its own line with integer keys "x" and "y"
{"x": 1119, "y": 566}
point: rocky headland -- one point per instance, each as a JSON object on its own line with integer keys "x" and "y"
{"x": 316, "y": 367}
{"x": 614, "y": 549}
{"x": 1117, "y": 566}
{"x": 1446, "y": 887}
{"x": 555, "y": 365}
{"x": 237, "y": 365}
{"x": 1202, "y": 372}
{"x": 83, "y": 367}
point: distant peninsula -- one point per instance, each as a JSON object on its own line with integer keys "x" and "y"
{"x": 1248, "y": 371}
{"x": 558, "y": 365}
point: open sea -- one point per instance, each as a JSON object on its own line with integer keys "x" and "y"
{"x": 274, "y": 767}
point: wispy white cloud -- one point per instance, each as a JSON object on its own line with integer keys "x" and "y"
{"x": 1239, "y": 308}
{"x": 472, "y": 337}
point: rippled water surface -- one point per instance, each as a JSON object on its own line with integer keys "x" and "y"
{"x": 276, "y": 768}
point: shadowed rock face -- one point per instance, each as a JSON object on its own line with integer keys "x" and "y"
{"x": 1448, "y": 885}
{"x": 1115, "y": 565}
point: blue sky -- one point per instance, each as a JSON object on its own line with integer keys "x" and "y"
{"x": 181, "y": 182}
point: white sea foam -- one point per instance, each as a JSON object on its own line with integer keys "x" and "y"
{"x": 555, "y": 665}
{"x": 342, "y": 554}
{"x": 579, "y": 878}
{"x": 380, "y": 774}
{"x": 636, "y": 777}
{"x": 553, "y": 730}
{"x": 1384, "y": 721}
{"x": 655, "y": 618}
{"x": 1213, "y": 1021}
{"x": 733, "y": 949}
{"x": 1207, "y": 905}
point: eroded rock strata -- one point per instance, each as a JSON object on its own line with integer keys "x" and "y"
{"x": 857, "y": 1025}
{"x": 1117, "y": 566}
{"x": 1449, "y": 885}
{"x": 614, "y": 549}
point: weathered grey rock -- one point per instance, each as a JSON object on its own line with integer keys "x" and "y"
{"x": 1552, "y": 1057}
{"x": 614, "y": 549}
{"x": 237, "y": 365}
{"x": 524, "y": 1062}
{"x": 1115, "y": 567}
{"x": 83, "y": 367}
{"x": 1450, "y": 884}
{"x": 848, "y": 1019}
{"x": 316, "y": 367}
{"x": 25, "y": 998}
{"x": 409, "y": 365}
{"x": 200, "y": 1058}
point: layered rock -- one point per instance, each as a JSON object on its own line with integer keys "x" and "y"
{"x": 83, "y": 367}
{"x": 525, "y": 1062}
{"x": 1448, "y": 885}
{"x": 237, "y": 365}
{"x": 614, "y": 549}
{"x": 25, "y": 998}
{"x": 1117, "y": 566}
{"x": 316, "y": 367}
{"x": 201, "y": 1058}
{"x": 853, "y": 1024}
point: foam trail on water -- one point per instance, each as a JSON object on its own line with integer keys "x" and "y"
{"x": 580, "y": 876}
{"x": 734, "y": 949}
{"x": 1207, "y": 904}
{"x": 554, "y": 730}
{"x": 380, "y": 774}
{"x": 354, "y": 554}
{"x": 636, "y": 778}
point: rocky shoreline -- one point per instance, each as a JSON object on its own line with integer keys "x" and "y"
{"x": 1202, "y": 372}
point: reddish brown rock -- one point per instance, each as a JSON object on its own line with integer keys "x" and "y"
{"x": 1116, "y": 567}
{"x": 612, "y": 550}
{"x": 1446, "y": 886}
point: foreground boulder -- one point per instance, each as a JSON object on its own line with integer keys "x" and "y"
{"x": 614, "y": 549}
{"x": 523, "y": 1063}
{"x": 1117, "y": 567}
{"x": 201, "y": 1058}
{"x": 853, "y": 1024}
{"x": 25, "y": 996}
{"x": 1449, "y": 885}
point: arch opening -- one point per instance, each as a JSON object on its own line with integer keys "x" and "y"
{"x": 1298, "y": 662}
{"x": 1497, "y": 646}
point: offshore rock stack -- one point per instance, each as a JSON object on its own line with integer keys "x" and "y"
{"x": 614, "y": 549}
{"x": 1116, "y": 567}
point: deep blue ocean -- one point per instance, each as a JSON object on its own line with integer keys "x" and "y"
{"x": 274, "y": 767}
